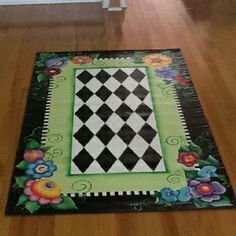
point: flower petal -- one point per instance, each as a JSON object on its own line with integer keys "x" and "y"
{"x": 33, "y": 198}
{"x": 56, "y": 200}
{"x": 44, "y": 201}
{"x": 211, "y": 198}
{"x": 28, "y": 183}
{"x": 28, "y": 192}
{"x": 218, "y": 188}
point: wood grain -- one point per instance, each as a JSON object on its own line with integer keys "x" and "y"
{"x": 206, "y": 33}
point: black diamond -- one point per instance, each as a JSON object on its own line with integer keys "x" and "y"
{"x": 106, "y": 159}
{"x": 84, "y": 113}
{"x": 85, "y": 76}
{"x": 137, "y": 75}
{"x": 103, "y": 76}
{"x": 122, "y": 92}
{"x": 105, "y": 134}
{"x": 124, "y": 111}
{"x": 147, "y": 133}
{"x": 144, "y": 111}
{"x": 103, "y": 93}
{"x": 126, "y": 134}
{"x": 120, "y": 75}
{"x": 140, "y": 92}
{"x": 129, "y": 158}
{"x": 84, "y": 94}
{"x": 152, "y": 158}
{"x": 83, "y": 160}
{"x": 104, "y": 112}
{"x": 83, "y": 135}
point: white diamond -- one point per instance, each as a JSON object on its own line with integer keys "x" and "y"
{"x": 94, "y": 102}
{"x": 130, "y": 84}
{"x": 74, "y": 169}
{"x": 133, "y": 101}
{"x": 155, "y": 144}
{"x": 148, "y": 101}
{"x": 116, "y": 146}
{"x": 77, "y": 124}
{"x": 94, "y": 123}
{"x": 78, "y": 85}
{"x": 118, "y": 167}
{"x": 145, "y": 83}
{"x": 112, "y": 84}
{"x": 94, "y": 147}
{"x": 76, "y": 147}
{"x": 95, "y": 168}
{"x": 94, "y": 72}
{"x": 138, "y": 145}
{"x": 152, "y": 121}
{"x": 78, "y": 103}
{"x": 94, "y": 85}
{"x": 115, "y": 122}
{"x": 135, "y": 122}
{"x": 161, "y": 166}
{"x": 141, "y": 166}
{"x": 113, "y": 102}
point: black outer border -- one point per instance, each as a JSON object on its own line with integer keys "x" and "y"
{"x": 34, "y": 117}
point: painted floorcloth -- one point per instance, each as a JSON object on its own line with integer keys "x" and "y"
{"x": 115, "y": 131}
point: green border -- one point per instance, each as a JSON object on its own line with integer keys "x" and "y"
{"x": 61, "y": 122}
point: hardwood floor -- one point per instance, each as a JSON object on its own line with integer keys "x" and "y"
{"x": 206, "y": 33}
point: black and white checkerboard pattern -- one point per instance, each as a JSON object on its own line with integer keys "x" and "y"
{"x": 114, "y": 128}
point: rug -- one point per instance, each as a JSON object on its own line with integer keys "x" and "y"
{"x": 115, "y": 131}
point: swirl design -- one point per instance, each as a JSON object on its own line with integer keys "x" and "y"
{"x": 54, "y": 138}
{"x": 98, "y": 62}
{"x": 81, "y": 186}
{"x": 166, "y": 90}
{"x": 175, "y": 140}
{"x": 175, "y": 178}
{"x": 55, "y": 153}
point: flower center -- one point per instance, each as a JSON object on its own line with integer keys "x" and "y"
{"x": 41, "y": 169}
{"x": 49, "y": 185}
{"x": 189, "y": 158}
{"x": 52, "y": 71}
{"x": 157, "y": 60}
{"x": 205, "y": 189}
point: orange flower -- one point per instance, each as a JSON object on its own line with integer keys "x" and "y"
{"x": 81, "y": 60}
{"x": 157, "y": 60}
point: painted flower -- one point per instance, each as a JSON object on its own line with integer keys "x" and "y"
{"x": 188, "y": 158}
{"x": 40, "y": 169}
{"x": 56, "y": 62}
{"x": 157, "y": 60}
{"x": 52, "y": 71}
{"x": 169, "y": 195}
{"x": 81, "y": 60}
{"x": 205, "y": 189}
{"x": 34, "y": 155}
{"x": 43, "y": 191}
{"x": 207, "y": 172}
{"x": 184, "y": 194}
{"x": 166, "y": 72}
{"x": 181, "y": 81}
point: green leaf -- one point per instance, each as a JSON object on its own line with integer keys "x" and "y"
{"x": 22, "y": 200}
{"x": 45, "y": 148}
{"x": 212, "y": 160}
{"x": 32, "y": 206}
{"x": 32, "y": 144}
{"x": 139, "y": 54}
{"x": 66, "y": 204}
{"x": 137, "y": 61}
{"x": 20, "y": 181}
{"x": 195, "y": 148}
{"x": 203, "y": 163}
{"x": 22, "y": 165}
{"x": 200, "y": 204}
{"x": 224, "y": 201}
{"x": 190, "y": 174}
{"x": 184, "y": 148}
{"x": 41, "y": 78}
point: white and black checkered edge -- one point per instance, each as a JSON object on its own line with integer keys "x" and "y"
{"x": 186, "y": 132}
{"x": 110, "y": 194}
{"x": 46, "y": 113}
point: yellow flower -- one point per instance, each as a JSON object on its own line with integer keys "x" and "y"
{"x": 45, "y": 188}
{"x": 157, "y": 60}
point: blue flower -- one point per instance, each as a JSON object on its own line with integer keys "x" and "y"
{"x": 184, "y": 194}
{"x": 40, "y": 169}
{"x": 169, "y": 195}
{"x": 207, "y": 172}
{"x": 166, "y": 72}
{"x": 56, "y": 62}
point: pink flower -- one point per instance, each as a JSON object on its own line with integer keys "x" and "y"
{"x": 34, "y": 155}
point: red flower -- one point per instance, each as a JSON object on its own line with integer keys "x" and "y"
{"x": 188, "y": 158}
{"x": 81, "y": 60}
{"x": 52, "y": 71}
{"x": 181, "y": 81}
